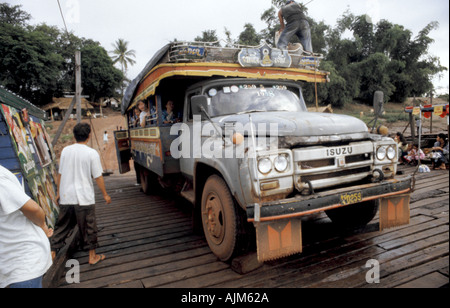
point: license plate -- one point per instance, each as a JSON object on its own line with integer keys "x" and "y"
{"x": 351, "y": 198}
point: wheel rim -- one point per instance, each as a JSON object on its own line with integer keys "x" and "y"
{"x": 214, "y": 218}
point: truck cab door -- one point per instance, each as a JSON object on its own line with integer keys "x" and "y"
{"x": 123, "y": 150}
{"x": 187, "y": 163}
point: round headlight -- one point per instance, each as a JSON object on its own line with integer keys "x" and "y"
{"x": 390, "y": 152}
{"x": 264, "y": 165}
{"x": 281, "y": 163}
{"x": 381, "y": 153}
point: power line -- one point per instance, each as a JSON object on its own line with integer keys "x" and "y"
{"x": 62, "y": 15}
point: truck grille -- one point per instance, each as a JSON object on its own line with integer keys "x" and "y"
{"x": 324, "y": 167}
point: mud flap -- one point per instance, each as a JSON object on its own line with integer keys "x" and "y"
{"x": 394, "y": 211}
{"x": 278, "y": 239}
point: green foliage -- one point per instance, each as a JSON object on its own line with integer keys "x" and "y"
{"x": 123, "y": 55}
{"x": 13, "y": 15}
{"x": 99, "y": 76}
{"x": 37, "y": 62}
{"x": 29, "y": 63}
{"x": 249, "y": 36}
{"x": 382, "y": 57}
{"x": 208, "y": 36}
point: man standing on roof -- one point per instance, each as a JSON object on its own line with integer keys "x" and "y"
{"x": 297, "y": 24}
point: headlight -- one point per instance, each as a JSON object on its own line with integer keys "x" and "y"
{"x": 381, "y": 153}
{"x": 390, "y": 152}
{"x": 265, "y": 165}
{"x": 281, "y": 163}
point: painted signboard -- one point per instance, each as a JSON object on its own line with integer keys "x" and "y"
{"x": 264, "y": 56}
{"x": 30, "y": 157}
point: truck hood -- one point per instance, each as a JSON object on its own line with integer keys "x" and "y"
{"x": 301, "y": 127}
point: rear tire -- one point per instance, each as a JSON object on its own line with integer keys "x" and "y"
{"x": 221, "y": 221}
{"x": 354, "y": 215}
{"x": 149, "y": 182}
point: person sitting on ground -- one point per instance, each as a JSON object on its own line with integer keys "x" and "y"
{"x": 414, "y": 155}
{"x": 402, "y": 145}
{"x": 170, "y": 116}
{"x": 440, "y": 153}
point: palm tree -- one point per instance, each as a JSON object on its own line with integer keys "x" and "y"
{"x": 122, "y": 55}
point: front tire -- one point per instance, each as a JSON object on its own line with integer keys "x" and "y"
{"x": 220, "y": 219}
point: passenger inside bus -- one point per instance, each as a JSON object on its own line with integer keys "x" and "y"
{"x": 170, "y": 115}
{"x": 143, "y": 107}
{"x": 135, "y": 118}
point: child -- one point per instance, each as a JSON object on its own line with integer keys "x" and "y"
{"x": 414, "y": 155}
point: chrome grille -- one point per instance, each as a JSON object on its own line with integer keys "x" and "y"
{"x": 330, "y": 166}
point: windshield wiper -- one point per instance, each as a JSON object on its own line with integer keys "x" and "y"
{"x": 213, "y": 124}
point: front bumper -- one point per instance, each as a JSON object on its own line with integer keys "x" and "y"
{"x": 306, "y": 205}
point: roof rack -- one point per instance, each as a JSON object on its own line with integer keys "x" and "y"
{"x": 188, "y": 52}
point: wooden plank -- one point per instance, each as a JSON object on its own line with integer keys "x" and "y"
{"x": 433, "y": 280}
{"x": 149, "y": 243}
{"x": 188, "y": 269}
{"x": 246, "y": 264}
{"x": 354, "y": 274}
{"x": 405, "y": 275}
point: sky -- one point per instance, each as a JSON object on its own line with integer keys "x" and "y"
{"x": 150, "y": 24}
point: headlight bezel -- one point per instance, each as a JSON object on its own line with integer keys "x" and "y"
{"x": 386, "y": 152}
{"x": 391, "y": 149}
{"x": 285, "y": 163}
{"x": 381, "y": 152}
{"x": 269, "y": 166}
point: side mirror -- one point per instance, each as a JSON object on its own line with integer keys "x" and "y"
{"x": 197, "y": 103}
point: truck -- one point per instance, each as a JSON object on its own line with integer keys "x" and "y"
{"x": 228, "y": 129}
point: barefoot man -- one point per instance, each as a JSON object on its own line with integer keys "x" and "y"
{"x": 79, "y": 165}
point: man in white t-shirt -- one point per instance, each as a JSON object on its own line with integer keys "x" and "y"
{"x": 78, "y": 166}
{"x": 24, "y": 245}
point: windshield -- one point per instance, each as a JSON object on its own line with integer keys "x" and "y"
{"x": 247, "y": 98}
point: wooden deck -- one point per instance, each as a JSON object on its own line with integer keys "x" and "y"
{"x": 149, "y": 243}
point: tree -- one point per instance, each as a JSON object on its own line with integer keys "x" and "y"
{"x": 29, "y": 63}
{"x": 99, "y": 77}
{"x": 13, "y": 15}
{"x": 208, "y": 36}
{"x": 37, "y": 62}
{"x": 381, "y": 57}
{"x": 249, "y": 36}
{"x": 124, "y": 56}
{"x": 229, "y": 40}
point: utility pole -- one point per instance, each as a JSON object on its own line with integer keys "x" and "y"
{"x": 78, "y": 84}
{"x": 76, "y": 99}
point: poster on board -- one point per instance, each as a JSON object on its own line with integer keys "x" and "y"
{"x": 31, "y": 144}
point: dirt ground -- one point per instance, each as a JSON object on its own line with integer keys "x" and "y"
{"x": 109, "y": 123}
{"x": 114, "y": 120}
